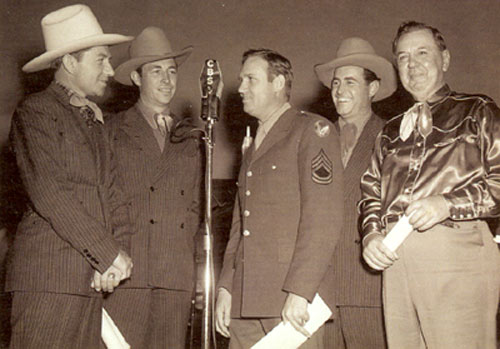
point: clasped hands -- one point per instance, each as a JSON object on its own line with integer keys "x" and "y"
{"x": 119, "y": 270}
{"x": 423, "y": 214}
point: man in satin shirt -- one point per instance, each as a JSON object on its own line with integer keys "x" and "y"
{"x": 437, "y": 163}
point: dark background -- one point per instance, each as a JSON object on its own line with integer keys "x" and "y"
{"x": 307, "y": 32}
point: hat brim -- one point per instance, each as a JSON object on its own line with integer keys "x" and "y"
{"x": 44, "y": 60}
{"x": 379, "y": 65}
{"x": 122, "y": 72}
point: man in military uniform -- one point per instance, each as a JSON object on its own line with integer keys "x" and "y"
{"x": 288, "y": 212}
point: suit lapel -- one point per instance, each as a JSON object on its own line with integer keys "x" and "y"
{"x": 362, "y": 151}
{"x": 277, "y": 133}
{"x": 170, "y": 151}
{"x": 140, "y": 133}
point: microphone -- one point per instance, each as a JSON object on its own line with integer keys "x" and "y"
{"x": 211, "y": 86}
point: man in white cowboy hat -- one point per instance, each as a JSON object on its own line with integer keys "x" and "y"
{"x": 161, "y": 176}
{"x": 76, "y": 228}
{"x": 357, "y": 77}
{"x": 438, "y": 164}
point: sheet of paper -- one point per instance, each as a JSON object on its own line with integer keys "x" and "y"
{"x": 398, "y": 233}
{"x": 110, "y": 334}
{"x": 286, "y": 337}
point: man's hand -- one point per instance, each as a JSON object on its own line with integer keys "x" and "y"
{"x": 223, "y": 312}
{"x": 426, "y": 213}
{"x": 118, "y": 271}
{"x": 377, "y": 255}
{"x": 295, "y": 312}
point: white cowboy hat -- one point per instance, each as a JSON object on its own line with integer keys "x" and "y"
{"x": 70, "y": 29}
{"x": 150, "y": 45}
{"x": 359, "y": 52}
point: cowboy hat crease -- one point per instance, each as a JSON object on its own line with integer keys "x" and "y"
{"x": 149, "y": 46}
{"x": 358, "y": 52}
{"x": 70, "y": 29}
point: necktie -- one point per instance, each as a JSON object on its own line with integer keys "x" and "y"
{"x": 88, "y": 109}
{"x": 418, "y": 115}
{"x": 259, "y": 136}
{"x": 164, "y": 123}
{"x": 347, "y": 140}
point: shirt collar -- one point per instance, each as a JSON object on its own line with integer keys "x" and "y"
{"x": 149, "y": 114}
{"x": 439, "y": 95}
{"x": 359, "y": 121}
{"x": 269, "y": 123}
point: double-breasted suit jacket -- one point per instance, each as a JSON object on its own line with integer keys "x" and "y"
{"x": 355, "y": 283}
{"x": 163, "y": 190}
{"x": 77, "y": 220}
{"x": 287, "y": 217}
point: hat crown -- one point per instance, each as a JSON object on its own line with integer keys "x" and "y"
{"x": 152, "y": 41}
{"x": 68, "y": 25}
{"x": 353, "y": 46}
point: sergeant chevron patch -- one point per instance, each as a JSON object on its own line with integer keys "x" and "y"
{"x": 322, "y": 168}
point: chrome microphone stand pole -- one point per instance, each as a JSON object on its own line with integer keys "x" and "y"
{"x": 208, "y": 273}
{"x": 211, "y": 89}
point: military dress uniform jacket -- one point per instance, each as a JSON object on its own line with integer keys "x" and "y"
{"x": 287, "y": 217}
{"x": 355, "y": 283}
{"x": 163, "y": 190}
{"x": 77, "y": 220}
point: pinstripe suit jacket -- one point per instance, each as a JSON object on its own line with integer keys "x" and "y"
{"x": 163, "y": 189}
{"x": 286, "y": 223}
{"x": 76, "y": 214}
{"x": 355, "y": 283}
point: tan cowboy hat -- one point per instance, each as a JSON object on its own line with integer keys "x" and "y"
{"x": 359, "y": 52}
{"x": 68, "y": 30}
{"x": 149, "y": 46}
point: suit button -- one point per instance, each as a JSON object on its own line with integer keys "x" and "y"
{"x": 246, "y": 213}
{"x": 246, "y": 233}
{"x": 273, "y": 167}
{"x": 182, "y": 192}
{"x": 247, "y": 193}
{"x": 152, "y": 188}
{"x": 85, "y": 251}
{"x": 152, "y": 221}
{"x": 182, "y": 225}
{"x": 249, "y": 174}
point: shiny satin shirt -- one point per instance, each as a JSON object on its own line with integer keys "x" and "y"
{"x": 460, "y": 159}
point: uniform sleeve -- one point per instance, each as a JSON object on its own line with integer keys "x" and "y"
{"x": 369, "y": 206}
{"x": 227, "y": 272}
{"x": 321, "y": 202}
{"x": 52, "y": 195}
{"x": 481, "y": 198}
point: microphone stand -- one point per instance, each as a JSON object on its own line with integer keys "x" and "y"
{"x": 208, "y": 273}
{"x": 211, "y": 90}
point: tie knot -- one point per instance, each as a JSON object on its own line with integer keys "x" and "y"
{"x": 163, "y": 122}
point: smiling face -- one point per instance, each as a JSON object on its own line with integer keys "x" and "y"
{"x": 421, "y": 64}
{"x": 92, "y": 71}
{"x": 351, "y": 93}
{"x": 260, "y": 96}
{"x": 157, "y": 83}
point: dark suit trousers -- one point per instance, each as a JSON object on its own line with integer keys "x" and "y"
{"x": 52, "y": 320}
{"x": 150, "y": 318}
{"x": 246, "y": 332}
{"x": 356, "y": 327}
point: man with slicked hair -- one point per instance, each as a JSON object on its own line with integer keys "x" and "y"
{"x": 288, "y": 211}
